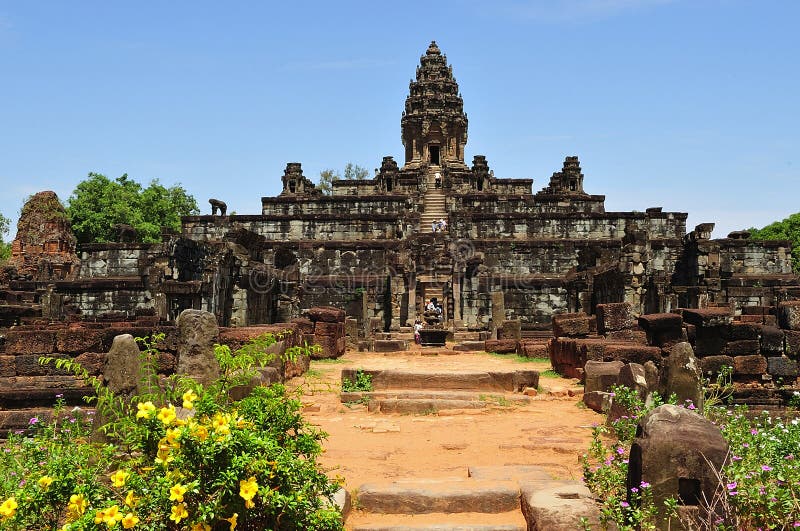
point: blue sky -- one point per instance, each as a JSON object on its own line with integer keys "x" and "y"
{"x": 691, "y": 105}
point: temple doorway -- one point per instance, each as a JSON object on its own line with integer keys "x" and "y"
{"x": 434, "y": 153}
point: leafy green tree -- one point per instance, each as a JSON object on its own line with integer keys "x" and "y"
{"x": 787, "y": 229}
{"x": 98, "y": 204}
{"x": 5, "y": 248}
{"x": 328, "y": 176}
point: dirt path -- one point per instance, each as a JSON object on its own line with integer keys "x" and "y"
{"x": 364, "y": 447}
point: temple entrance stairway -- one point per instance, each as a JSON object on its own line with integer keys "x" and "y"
{"x": 448, "y": 442}
{"x": 434, "y": 202}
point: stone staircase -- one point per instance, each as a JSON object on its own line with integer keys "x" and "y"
{"x": 434, "y": 202}
{"x": 489, "y": 498}
{"x": 410, "y": 392}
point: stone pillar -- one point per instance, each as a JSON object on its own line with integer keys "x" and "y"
{"x": 457, "y": 297}
{"x": 412, "y": 298}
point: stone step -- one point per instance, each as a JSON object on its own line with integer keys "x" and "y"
{"x": 506, "y": 521}
{"x": 511, "y": 381}
{"x": 421, "y": 403}
{"x": 420, "y": 496}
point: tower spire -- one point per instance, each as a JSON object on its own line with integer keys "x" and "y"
{"x": 434, "y": 125}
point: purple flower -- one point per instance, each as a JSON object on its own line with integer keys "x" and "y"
{"x": 60, "y": 395}
{"x": 634, "y": 489}
{"x": 620, "y": 450}
{"x": 33, "y": 421}
{"x": 731, "y": 485}
{"x": 753, "y": 431}
{"x": 745, "y": 445}
{"x": 644, "y": 484}
{"x": 625, "y": 504}
{"x": 766, "y": 468}
{"x": 736, "y": 458}
{"x": 691, "y": 406}
{"x": 625, "y": 461}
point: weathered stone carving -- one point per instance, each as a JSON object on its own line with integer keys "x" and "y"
{"x": 216, "y": 205}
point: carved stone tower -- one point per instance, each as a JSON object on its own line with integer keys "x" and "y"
{"x": 434, "y": 125}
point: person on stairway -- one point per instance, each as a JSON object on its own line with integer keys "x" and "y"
{"x": 417, "y": 329}
{"x": 437, "y": 180}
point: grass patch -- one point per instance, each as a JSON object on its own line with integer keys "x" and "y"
{"x": 496, "y": 400}
{"x": 518, "y": 358}
{"x": 329, "y": 361}
{"x": 361, "y": 382}
{"x": 549, "y": 373}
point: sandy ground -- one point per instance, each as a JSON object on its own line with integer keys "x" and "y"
{"x": 366, "y": 447}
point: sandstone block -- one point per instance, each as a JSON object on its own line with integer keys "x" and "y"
{"x": 678, "y": 452}
{"x": 749, "y": 365}
{"x": 789, "y": 314}
{"x": 792, "y": 341}
{"x": 30, "y": 341}
{"x": 598, "y": 401}
{"x": 614, "y": 316}
{"x": 123, "y": 368}
{"x": 708, "y": 316}
{"x": 93, "y": 362}
{"x": 390, "y": 345}
{"x": 782, "y": 367}
{"x": 712, "y": 365}
{"x": 743, "y": 347}
{"x": 510, "y": 329}
{"x": 558, "y": 506}
{"x": 682, "y": 375}
{"x": 710, "y": 340}
{"x": 322, "y": 328}
{"x": 501, "y": 346}
{"x": 601, "y": 375}
{"x": 632, "y": 354}
{"x": 7, "y": 366}
{"x": 633, "y": 376}
{"x": 631, "y": 335}
{"x": 328, "y": 314}
{"x": 571, "y": 325}
{"x": 197, "y": 334}
{"x": 76, "y": 341}
{"x": 771, "y": 341}
{"x": 305, "y": 326}
{"x": 738, "y": 331}
{"x": 660, "y": 322}
{"x": 533, "y": 349}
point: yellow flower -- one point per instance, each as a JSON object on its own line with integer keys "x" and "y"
{"x": 99, "y": 515}
{"x": 130, "y": 521}
{"x": 233, "y": 520}
{"x": 220, "y": 425}
{"x": 179, "y": 512}
{"x": 189, "y": 398}
{"x": 172, "y": 437}
{"x": 111, "y": 516}
{"x": 163, "y": 455}
{"x": 200, "y": 432}
{"x": 131, "y": 499}
{"x": 176, "y": 492}
{"x": 44, "y": 482}
{"x": 167, "y": 415}
{"x": 201, "y": 526}
{"x": 8, "y": 508}
{"x": 248, "y": 489}
{"x": 76, "y": 507}
{"x": 119, "y": 478}
{"x": 145, "y": 410}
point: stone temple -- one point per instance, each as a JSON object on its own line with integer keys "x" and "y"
{"x": 508, "y": 253}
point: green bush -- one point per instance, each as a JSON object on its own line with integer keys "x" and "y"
{"x": 180, "y": 457}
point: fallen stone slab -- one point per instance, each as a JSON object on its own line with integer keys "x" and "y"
{"x": 389, "y": 345}
{"x": 446, "y": 497}
{"x": 470, "y": 346}
{"x": 413, "y": 406}
{"x": 558, "y": 506}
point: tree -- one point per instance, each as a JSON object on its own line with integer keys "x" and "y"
{"x": 351, "y": 172}
{"x": 98, "y": 204}
{"x": 787, "y": 229}
{"x": 5, "y": 248}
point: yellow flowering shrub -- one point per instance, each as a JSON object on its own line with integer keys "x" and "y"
{"x": 181, "y": 457}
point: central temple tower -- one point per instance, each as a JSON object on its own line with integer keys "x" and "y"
{"x": 434, "y": 124}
